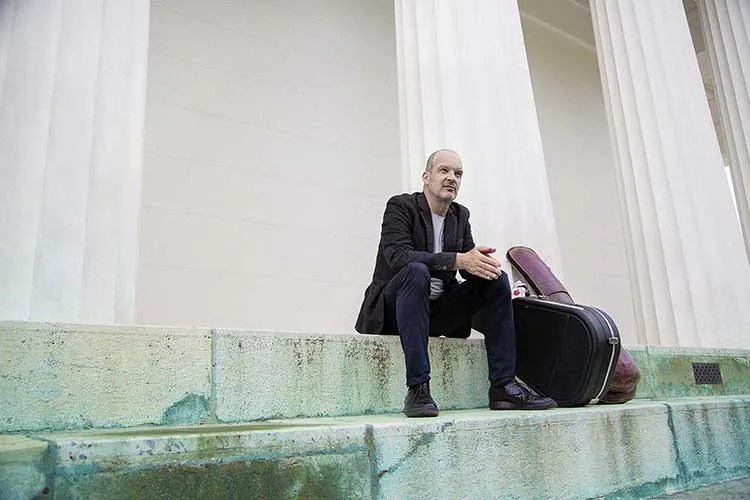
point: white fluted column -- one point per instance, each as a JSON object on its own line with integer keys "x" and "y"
{"x": 73, "y": 81}
{"x": 726, "y": 30}
{"x": 464, "y": 83}
{"x": 689, "y": 274}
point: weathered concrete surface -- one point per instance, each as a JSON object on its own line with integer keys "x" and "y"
{"x": 566, "y": 453}
{"x": 281, "y": 460}
{"x": 637, "y": 450}
{"x": 712, "y": 437}
{"x": 71, "y": 376}
{"x": 639, "y": 353}
{"x": 24, "y": 468}
{"x": 668, "y": 371}
{"x": 324, "y": 375}
{"x": 738, "y": 489}
{"x": 66, "y": 376}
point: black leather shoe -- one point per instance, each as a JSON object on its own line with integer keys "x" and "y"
{"x": 514, "y": 396}
{"x": 419, "y": 403}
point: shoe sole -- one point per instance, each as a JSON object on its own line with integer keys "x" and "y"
{"x": 422, "y": 412}
{"x": 507, "y": 405}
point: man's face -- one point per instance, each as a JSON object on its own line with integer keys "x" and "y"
{"x": 444, "y": 180}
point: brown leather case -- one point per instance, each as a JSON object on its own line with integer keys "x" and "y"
{"x": 537, "y": 274}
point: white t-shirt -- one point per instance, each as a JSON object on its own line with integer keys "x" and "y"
{"x": 436, "y": 284}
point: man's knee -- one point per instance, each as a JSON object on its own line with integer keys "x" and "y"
{"x": 504, "y": 281}
{"x": 501, "y": 286}
{"x": 415, "y": 274}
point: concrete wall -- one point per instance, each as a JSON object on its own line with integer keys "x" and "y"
{"x": 271, "y": 146}
{"x": 265, "y": 177}
{"x": 580, "y": 168}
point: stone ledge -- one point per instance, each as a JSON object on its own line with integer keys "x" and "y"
{"x": 68, "y": 376}
{"x": 25, "y": 468}
{"x": 668, "y": 372}
{"x": 636, "y": 450}
{"x": 285, "y": 375}
{"x": 65, "y": 376}
{"x": 57, "y": 376}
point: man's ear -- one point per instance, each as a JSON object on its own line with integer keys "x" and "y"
{"x": 425, "y": 176}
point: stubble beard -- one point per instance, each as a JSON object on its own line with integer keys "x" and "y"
{"x": 448, "y": 196}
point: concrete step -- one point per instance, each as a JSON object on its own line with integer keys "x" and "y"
{"x": 738, "y": 489}
{"x": 637, "y": 450}
{"x": 56, "y": 376}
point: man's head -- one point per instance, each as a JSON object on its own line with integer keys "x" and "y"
{"x": 442, "y": 175}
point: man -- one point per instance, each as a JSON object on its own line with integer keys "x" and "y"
{"x": 425, "y": 239}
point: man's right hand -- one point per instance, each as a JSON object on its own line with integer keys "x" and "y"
{"x": 479, "y": 263}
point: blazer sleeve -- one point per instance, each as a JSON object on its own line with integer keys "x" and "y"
{"x": 397, "y": 243}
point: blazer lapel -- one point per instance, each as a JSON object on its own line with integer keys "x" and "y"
{"x": 449, "y": 231}
{"x": 425, "y": 214}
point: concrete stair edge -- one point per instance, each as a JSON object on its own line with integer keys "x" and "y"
{"x": 637, "y": 450}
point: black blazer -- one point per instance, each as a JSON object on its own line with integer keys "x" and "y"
{"x": 406, "y": 236}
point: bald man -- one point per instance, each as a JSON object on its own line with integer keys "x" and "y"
{"x": 425, "y": 238}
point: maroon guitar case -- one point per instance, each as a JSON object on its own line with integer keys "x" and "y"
{"x": 543, "y": 282}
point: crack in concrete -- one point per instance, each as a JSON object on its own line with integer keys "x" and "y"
{"x": 424, "y": 440}
{"x": 682, "y": 473}
{"x": 372, "y": 458}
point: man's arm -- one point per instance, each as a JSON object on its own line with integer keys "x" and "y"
{"x": 398, "y": 247}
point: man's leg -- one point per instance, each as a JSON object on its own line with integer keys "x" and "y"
{"x": 489, "y": 303}
{"x": 408, "y": 305}
{"x": 407, "y": 301}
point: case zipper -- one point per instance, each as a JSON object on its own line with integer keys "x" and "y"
{"x": 613, "y": 341}
{"x": 540, "y": 298}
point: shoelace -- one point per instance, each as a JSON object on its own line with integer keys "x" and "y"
{"x": 520, "y": 392}
{"x": 423, "y": 394}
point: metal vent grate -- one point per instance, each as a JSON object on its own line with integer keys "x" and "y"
{"x": 707, "y": 373}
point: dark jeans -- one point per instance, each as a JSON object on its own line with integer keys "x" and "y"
{"x": 484, "y": 303}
